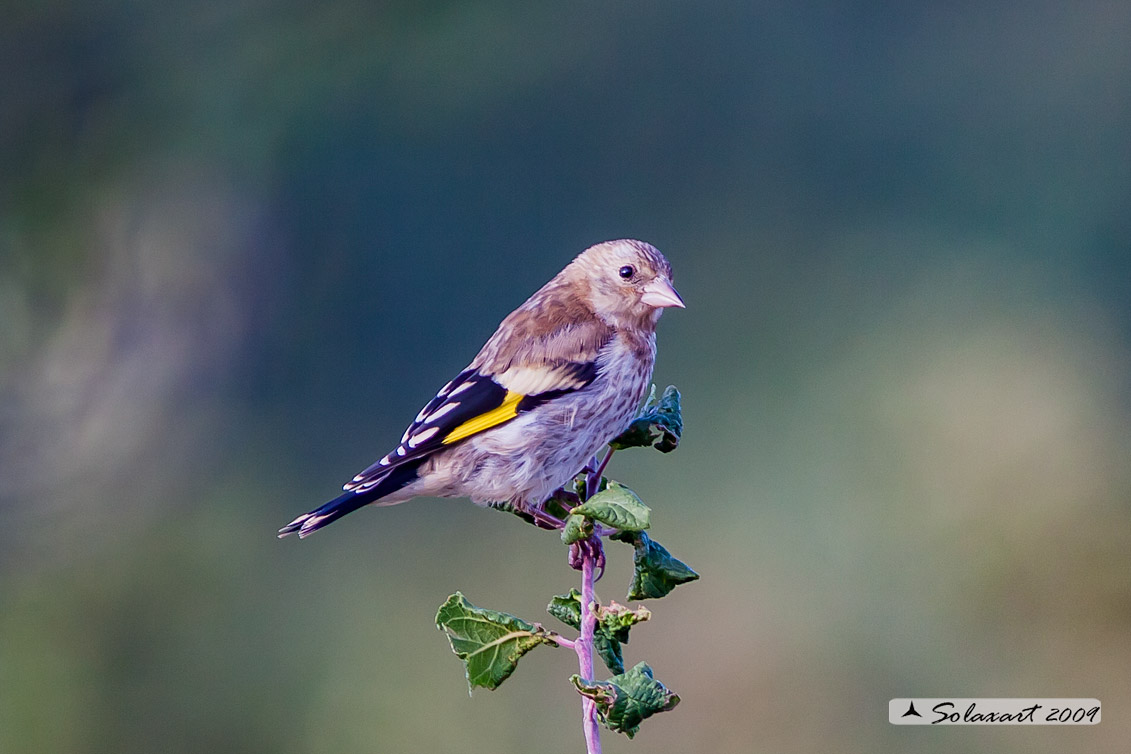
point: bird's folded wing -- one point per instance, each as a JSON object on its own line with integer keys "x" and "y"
{"x": 480, "y": 398}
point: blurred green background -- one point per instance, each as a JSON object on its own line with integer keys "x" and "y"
{"x": 242, "y": 242}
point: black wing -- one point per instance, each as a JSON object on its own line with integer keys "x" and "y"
{"x": 469, "y": 404}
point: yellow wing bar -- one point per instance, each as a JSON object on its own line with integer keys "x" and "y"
{"x": 505, "y": 412}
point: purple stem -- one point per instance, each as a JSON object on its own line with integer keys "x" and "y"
{"x": 584, "y": 648}
{"x": 592, "y": 555}
{"x": 562, "y": 641}
{"x": 604, "y": 462}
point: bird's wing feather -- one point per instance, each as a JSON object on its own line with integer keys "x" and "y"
{"x": 551, "y": 329}
{"x": 482, "y": 397}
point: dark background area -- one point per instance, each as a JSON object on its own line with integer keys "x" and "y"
{"x": 242, "y": 243}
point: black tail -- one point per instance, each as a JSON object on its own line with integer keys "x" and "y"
{"x": 348, "y": 502}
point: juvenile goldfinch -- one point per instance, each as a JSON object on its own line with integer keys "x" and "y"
{"x": 564, "y": 374}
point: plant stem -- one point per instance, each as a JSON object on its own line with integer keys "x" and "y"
{"x": 593, "y": 473}
{"x": 604, "y": 462}
{"x": 591, "y": 553}
{"x": 562, "y": 641}
{"x": 584, "y": 646}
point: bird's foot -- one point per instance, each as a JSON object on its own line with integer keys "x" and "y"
{"x": 588, "y": 548}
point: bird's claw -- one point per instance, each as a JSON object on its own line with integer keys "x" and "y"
{"x": 590, "y": 548}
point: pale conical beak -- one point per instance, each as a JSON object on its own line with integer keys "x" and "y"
{"x": 659, "y": 293}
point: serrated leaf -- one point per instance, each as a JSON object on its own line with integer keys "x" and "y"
{"x": 655, "y": 571}
{"x": 566, "y": 608}
{"x": 617, "y": 506}
{"x": 490, "y": 643}
{"x": 613, "y": 623}
{"x": 626, "y": 700}
{"x": 660, "y": 425}
{"x": 610, "y": 652}
{"x": 616, "y": 619}
{"x": 576, "y": 528}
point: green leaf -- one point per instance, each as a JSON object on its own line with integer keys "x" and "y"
{"x": 655, "y": 571}
{"x": 610, "y": 652}
{"x": 613, "y": 623}
{"x": 659, "y": 425}
{"x": 490, "y": 643}
{"x": 576, "y": 529}
{"x": 566, "y": 608}
{"x": 617, "y": 506}
{"x": 626, "y": 700}
{"x": 615, "y": 619}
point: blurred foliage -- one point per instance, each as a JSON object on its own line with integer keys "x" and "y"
{"x": 241, "y": 243}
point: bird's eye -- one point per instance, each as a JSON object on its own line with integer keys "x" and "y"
{"x": 627, "y": 271}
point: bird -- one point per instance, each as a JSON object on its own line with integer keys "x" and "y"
{"x": 562, "y": 375}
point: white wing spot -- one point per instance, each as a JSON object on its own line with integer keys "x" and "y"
{"x": 442, "y": 410}
{"x": 420, "y": 437}
{"x": 402, "y": 450}
{"x": 312, "y": 522}
{"x": 298, "y": 520}
{"x": 465, "y": 386}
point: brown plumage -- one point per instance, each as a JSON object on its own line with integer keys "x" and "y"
{"x": 562, "y": 375}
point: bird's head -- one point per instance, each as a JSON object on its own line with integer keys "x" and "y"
{"x": 626, "y": 281}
